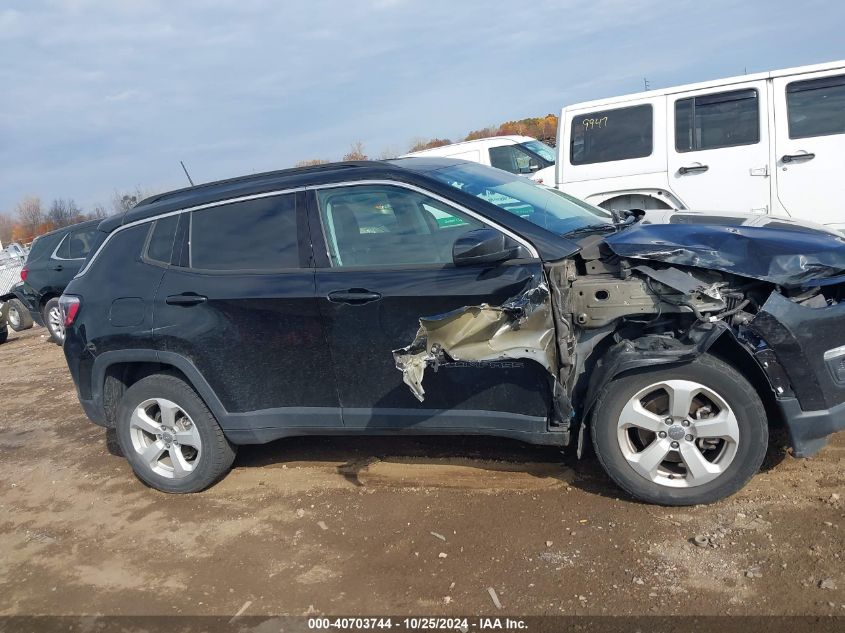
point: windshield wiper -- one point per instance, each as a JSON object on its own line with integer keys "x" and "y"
{"x": 592, "y": 228}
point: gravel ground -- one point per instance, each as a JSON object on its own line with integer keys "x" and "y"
{"x": 388, "y": 526}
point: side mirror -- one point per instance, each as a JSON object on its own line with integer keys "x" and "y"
{"x": 482, "y": 246}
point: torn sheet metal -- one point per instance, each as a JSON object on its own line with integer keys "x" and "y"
{"x": 522, "y": 327}
{"x": 783, "y": 257}
{"x": 683, "y": 281}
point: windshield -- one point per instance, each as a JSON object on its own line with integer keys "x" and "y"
{"x": 542, "y": 150}
{"x": 543, "y": 206}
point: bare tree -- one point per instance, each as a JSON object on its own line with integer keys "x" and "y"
{"x": 356, "y": 152}
{"x": 30, "y": 215}
{"x": 122, "y": 201}
{"x": 311, "y": 162}
{"x": 98, "y": 212}
{"x": 7, "y": 226}
{"x": 63, "y": 212}
{"x": 388, "y": 152}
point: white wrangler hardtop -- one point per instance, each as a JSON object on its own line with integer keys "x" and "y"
{"x": 768, "y": 143}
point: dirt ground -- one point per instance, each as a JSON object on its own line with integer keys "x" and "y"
{"x": 388, "y": 526}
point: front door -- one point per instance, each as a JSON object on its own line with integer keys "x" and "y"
{"x": 388, "y": 262}
{"x": 239, "y": 305}
{"x": 719, "y": 148}
{"x": 810, "y": 146}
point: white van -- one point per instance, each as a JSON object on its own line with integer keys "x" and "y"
{"x": 770, "y": 143}
{"x": 517, "y": 154}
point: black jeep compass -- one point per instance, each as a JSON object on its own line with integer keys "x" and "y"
{"x": 437, "y": 296}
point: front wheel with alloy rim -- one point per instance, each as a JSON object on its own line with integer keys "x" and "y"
{"x": 688, "y": 435}
{"x": 53, "y": 321}
{"x": 19, "y": 317}
{"x": 171, "y": 439}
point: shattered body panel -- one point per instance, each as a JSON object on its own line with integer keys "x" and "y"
{"x": 662, "y": 295}
{"x": 520, "y": 328}
{"x": 782, "y": 257}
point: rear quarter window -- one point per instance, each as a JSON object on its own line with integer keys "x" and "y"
{"x": 816, "y": 107}
{"x": 162, "y": 237}
{"x": 43, "y": 246}
{"x": 609, "y": 135}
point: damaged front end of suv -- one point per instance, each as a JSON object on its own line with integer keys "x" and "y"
{"x": 767, "y": 301}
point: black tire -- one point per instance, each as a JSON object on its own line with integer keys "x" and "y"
{"x": 713, "y": 374}
{"x": 19, "y": 318}
{"x": 56, "y": 330}
{"x": 4, "y": 334}
{"x": 217, "y": 453}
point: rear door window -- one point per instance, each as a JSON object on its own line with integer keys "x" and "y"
{"x": 816, "y": 107}
{"x": 609, "y": 135}
{"x": 255, "y": 235}
{"x": 725, "y": 119}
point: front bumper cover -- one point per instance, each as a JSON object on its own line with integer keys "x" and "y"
{"x": 809, "y": 430}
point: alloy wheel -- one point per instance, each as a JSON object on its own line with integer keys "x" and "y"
{"x": 166, "y": 438}
{"x": 678, "y": 433}
{"x": 14, "y": 317}
{"x": 54, "y": 322}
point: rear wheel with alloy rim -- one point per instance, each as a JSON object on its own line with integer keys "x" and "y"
{"x": 53, "y": 321}
{"x": 169, "y": 436}
{"x": 687, "y": 435}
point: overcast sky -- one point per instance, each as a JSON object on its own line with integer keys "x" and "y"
{"x": 98, "y": 95}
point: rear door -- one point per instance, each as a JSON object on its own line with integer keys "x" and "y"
{"x": 386, "y": 262}
{"x": 810, "y": 145}
{"x": 719, "y": 148}
{"x": 238, "y": 303}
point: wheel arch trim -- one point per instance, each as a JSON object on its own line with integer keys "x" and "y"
{"x": 630, "y": 355}
{"x": 137, "y": 356}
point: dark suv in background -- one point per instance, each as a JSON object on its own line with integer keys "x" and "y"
{"x": 436, "y": 296}
{"x": 54, "y": 259}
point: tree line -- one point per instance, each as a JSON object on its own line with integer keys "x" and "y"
{"x": 543, "y": 128}
{"x": 32, "y": 218}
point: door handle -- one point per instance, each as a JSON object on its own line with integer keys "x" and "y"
{"x": 693, "y": 169}
{"x": 354, "y": 296}
{"x": 791, "y": 158}
{"x": 185, "y": 300}
{"x": 58, "y": 268}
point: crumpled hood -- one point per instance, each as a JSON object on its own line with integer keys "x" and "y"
{"x": 782, "y": 256}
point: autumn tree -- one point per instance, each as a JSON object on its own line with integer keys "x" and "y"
{"x": 484, "y": 132}
{"x": 422, "y": 144}
{"x": 543, "y": 128}
{"x": 356, "y": 152}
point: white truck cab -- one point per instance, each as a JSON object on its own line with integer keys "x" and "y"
{"x": 517, "y": 154}
{"x": 769, "y": 143}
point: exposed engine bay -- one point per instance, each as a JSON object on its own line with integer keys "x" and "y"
{"x": 601, "y": 313}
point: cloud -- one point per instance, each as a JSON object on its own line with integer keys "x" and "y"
{"x": 99, "y": 95}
